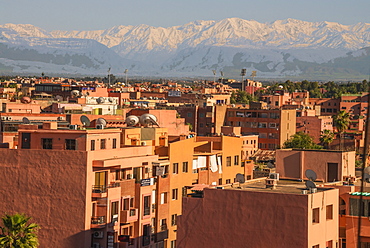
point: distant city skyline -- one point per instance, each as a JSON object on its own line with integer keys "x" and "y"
{"x": 96, "y": 15}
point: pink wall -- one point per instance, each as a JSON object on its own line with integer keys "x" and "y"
{"x": 48, "y": 186}
{"x": 233, "y": 218}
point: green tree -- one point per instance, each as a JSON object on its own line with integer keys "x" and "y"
{"x": 301, "y": 140}
{"x": 326, "y": 138}
{"x": 16, "y": 232}
{"x": 341, "y": 122}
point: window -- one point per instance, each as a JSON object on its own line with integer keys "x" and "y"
{"x": 114, "y": 143}
{"x": 228, "y": 181}
{"x": 146, "y": 205}
{"x": 185, "y": 167}
{"x": 228, "y": 161}
{"x": 114, "y": 211}
{"x": 329, "y": 212}
{"x": 175, "y": 168}
{"x": 163, "y": 197}
{"x": 316, "y": 215}
{"x": 71, "y": 144}
{"x": 92, "y": 145}
{"x": 126, "y": 204}
{"x": 47, "y": 143}
{"x": 174, "y": 194}
{"x": 163, "y": 224}
{"x": 195, "y": 171}
{"x": 102, "y": 143}
{"x": 316, "y": 246}
{"x": 173, "y": 243}
{"x": 202, "y": 115}
{"x": 189, "y": 114}
{"x": 236, "y": 160}
{"x": 173, "y": 219}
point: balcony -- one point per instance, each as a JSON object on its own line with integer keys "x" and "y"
{"x": 161, "y": 236}
{"x": 98, "y": 221}
{"x": 100, "y": 191}
{"x": 128, "y": 216}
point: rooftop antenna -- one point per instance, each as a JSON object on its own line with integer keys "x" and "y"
{"x": 85, "y": 121}
{"x": 242, "y": 73}
{"x": 222, "y": 76}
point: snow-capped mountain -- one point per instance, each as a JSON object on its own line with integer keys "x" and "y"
{"x": 279, "y": 49}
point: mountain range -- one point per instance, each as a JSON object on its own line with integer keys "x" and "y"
{"x": 284, "y": 49}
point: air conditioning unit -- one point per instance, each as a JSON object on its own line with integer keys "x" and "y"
{"x": 99, "y": 126}
{"x": 274, "y": 176}
{"x": 73, "y": 127}
{"x": 96, "y": 245}
{"x": 219, "y": 187}
{"x": 98, "y": 234}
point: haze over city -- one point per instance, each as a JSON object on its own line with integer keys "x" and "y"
{"x": 96, "y": 14}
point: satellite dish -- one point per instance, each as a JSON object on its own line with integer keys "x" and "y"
{"x": 110, "y": 99}
{"x": 148, "y": 119}
{"x": 59, "y": 98}
{"x": 85, "y": 120}
{"x": 100, "y": 100}
{"x": 101, "y": 121}
{"x": 310, "y": 185}
{"x": 75, "y": 93}
{"x": 240, "y": 178}
{"x": 25, "y": 99}
{"x": 25, "y": 120}
{"x": 132, "y": 120}
{"x": 311, "y": 175}
{"x": 367, "y": 170}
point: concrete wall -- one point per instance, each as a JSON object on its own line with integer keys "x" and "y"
{"x": 238, "y": 219}
{"x": 48, "y": 186}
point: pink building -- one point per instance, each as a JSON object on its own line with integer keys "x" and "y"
{"x": 251, "y": 215}
{"x": 329, "y": 165}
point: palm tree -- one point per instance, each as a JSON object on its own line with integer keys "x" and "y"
{"x": 326, "y": 138}
{"x": 17, "y": 233}
{"x": 341, "y": 122}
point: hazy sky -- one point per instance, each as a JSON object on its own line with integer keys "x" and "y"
{"x": 103, "y": 14}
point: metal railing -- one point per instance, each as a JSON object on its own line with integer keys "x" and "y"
{"x": 98, "y": 220}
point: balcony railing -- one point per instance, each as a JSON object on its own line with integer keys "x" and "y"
{"x": 103, "y": 188}
{"x": 99, "y": 189}
{"x": 98, "y": 220}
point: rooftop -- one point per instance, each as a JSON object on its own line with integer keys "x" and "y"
{"x": 283, "y": 186}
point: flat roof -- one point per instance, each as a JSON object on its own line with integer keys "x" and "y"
{"x": 283, "y": 186}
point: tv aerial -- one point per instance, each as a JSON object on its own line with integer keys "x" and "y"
{"x": 240, "y": 178}
{"x": 85, "y": 121}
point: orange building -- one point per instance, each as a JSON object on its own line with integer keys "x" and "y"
{"x": 97, "y": 187}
